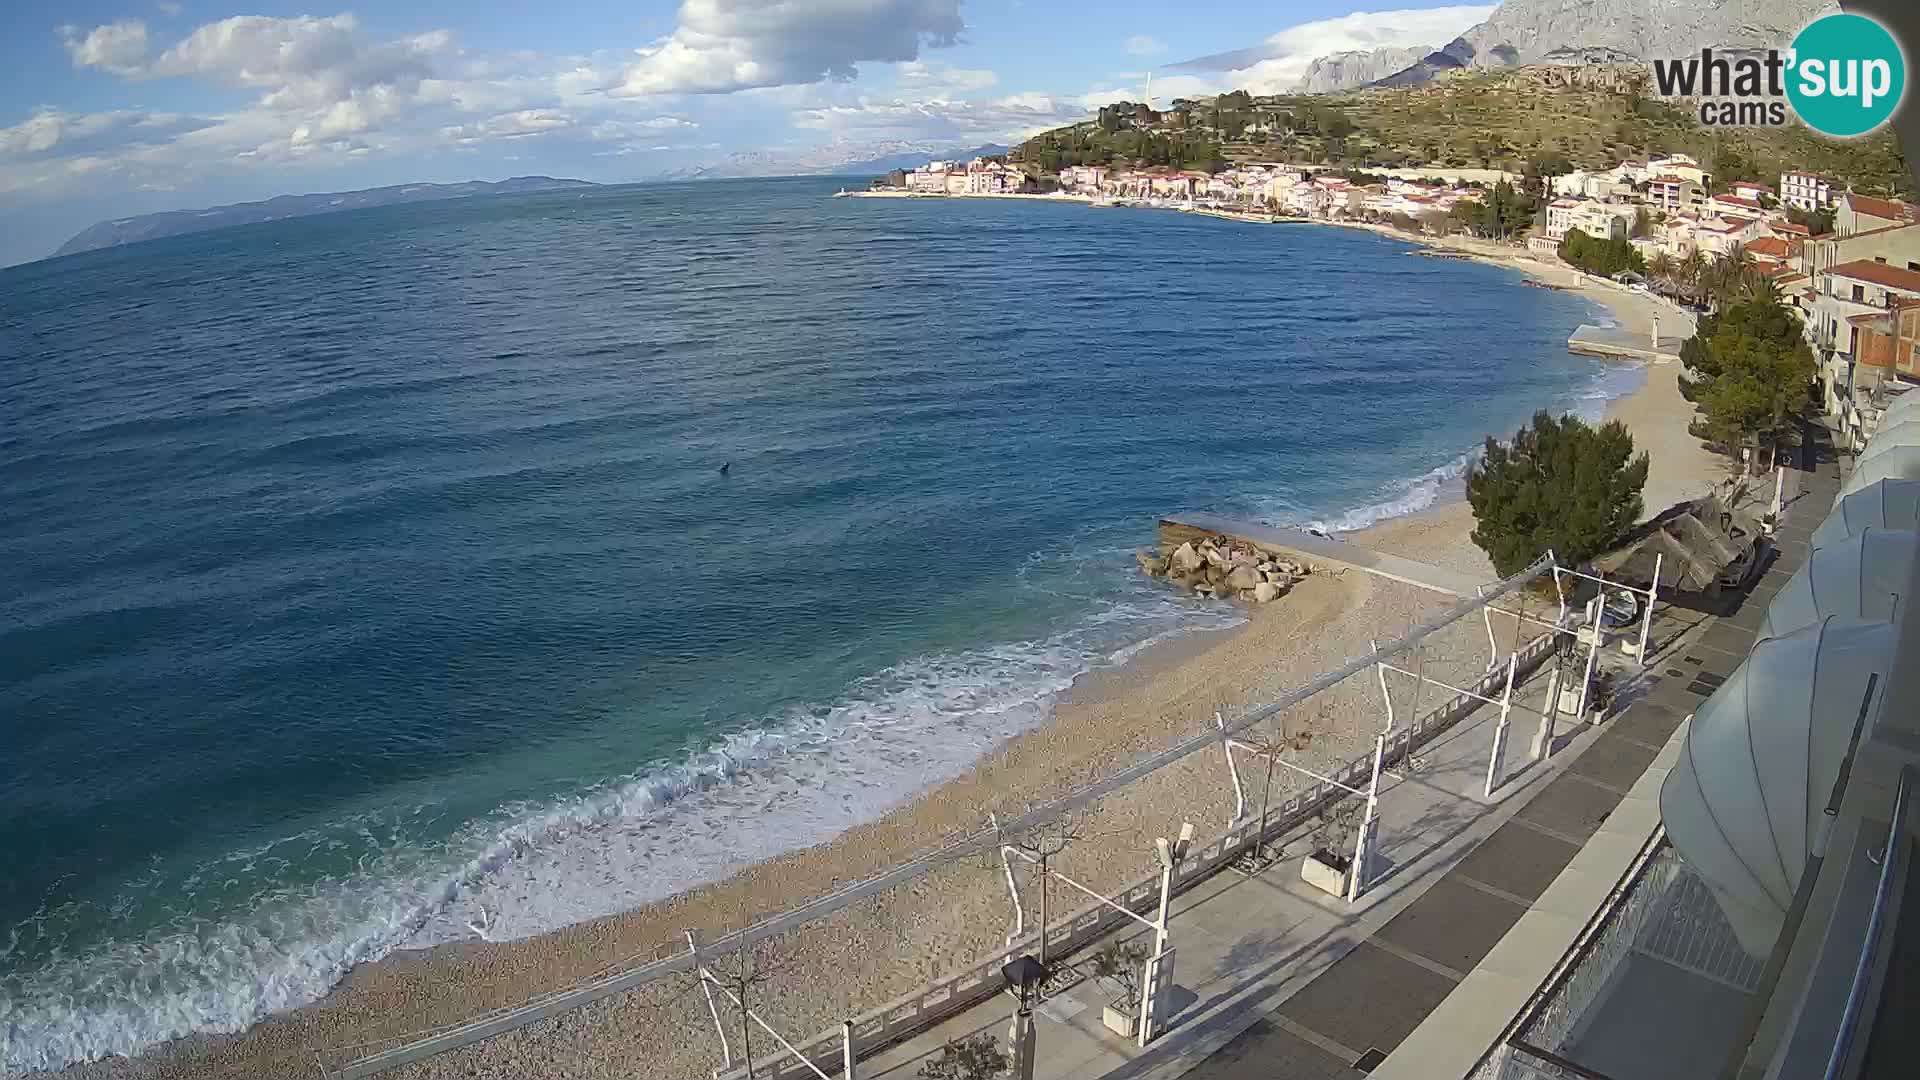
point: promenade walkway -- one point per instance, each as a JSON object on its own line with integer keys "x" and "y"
{"x": 1350, "y": 1019}
{"x": 1279, "y": 981}
{"x": 1321, "y": 550}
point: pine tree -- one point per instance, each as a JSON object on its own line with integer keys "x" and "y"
{"x": 1560, "y": 484}
{"x": 1749, "y": 373}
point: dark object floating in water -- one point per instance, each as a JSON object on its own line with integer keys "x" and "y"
{"x": 724, "y": 468}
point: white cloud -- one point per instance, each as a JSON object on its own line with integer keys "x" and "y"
{"x": 1142, "y": 45}
{"x": 54, "y": 132}
{"x": 1001, "y": 120}
{"x": 721, "y": 46}
{"x": 632, "y": 133}
{"x": 167, "y": 7}
{"x": 513, "y": 125}
{"x": 302, "y": 60}
{"x": 119, "y": 47}
{"x": 935, "y": 79}
{"x": 1277, "y": 64}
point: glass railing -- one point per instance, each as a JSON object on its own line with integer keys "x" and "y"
{"x": 1661, "y": 918}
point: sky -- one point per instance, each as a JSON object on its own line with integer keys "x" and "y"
{"x": 110, "y": 108}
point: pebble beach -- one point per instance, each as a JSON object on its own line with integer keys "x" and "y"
{"x": 887, "y": 945}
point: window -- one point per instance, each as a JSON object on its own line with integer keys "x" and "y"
{"x": 1859, "y": 294}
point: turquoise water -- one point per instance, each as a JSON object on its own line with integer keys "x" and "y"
{"x": 371, "y": 581}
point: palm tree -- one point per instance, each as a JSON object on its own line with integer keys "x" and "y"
{"x": 1730, "y": 275}
{"x": 1692, "y": 274}
{"x": 1662, "y": 269}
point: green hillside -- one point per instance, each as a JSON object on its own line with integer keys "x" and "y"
{"x": 1582, "y": 117}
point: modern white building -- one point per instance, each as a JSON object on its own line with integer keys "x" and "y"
{"x": 1805, "y": 190}
{"x": 1719, "y": 236}
{"x": 1676, "y": 194}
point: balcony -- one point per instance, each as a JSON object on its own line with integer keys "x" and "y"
{"x": 1659, "y": 990}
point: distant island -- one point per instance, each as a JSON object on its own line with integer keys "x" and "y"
{"x": 130, "y": 230}
{"x": 863, "y": 160}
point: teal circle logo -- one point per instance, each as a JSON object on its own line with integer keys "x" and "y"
{"x": 1846, "y": 75}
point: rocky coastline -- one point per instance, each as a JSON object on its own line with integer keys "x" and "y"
{"x": 1223, "y": 567}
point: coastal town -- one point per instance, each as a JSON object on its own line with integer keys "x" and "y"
{"x": 1846, "y": 263}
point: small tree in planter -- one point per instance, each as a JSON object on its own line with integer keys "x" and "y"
{"x": 977, "y": 1058}
{"x": 1118, "y": 966}
{"x": 1330, "y": 862}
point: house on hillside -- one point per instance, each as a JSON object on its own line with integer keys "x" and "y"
{"x": 1560, "y": 214}
{"x": 1085, "y": 178}
{"x": 1894, "y": 245}
{"x": 1751, "y": 189}
{"x": 1863, "y": 213}
{"x": 1736, "y": 206}
{"x": 1719, "y": 236}
{"x": 1682, "y": 166}
{"x": 1787, "y": 230}
{"x": 1770, "y": 252}
{"x": 1841, "y": 296}
{"x": 1805, "y": 190}
{"x": 1676, "y": 194}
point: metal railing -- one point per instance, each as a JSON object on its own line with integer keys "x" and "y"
{"x": 1893, "y": 862}
{"x": 946, "y": 996}
{"x": 912, "y": 1013}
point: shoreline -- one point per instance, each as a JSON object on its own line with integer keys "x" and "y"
{"x": 1110, "y": 715}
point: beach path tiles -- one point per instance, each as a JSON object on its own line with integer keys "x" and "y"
{"x": 1453, "y": 924}
{"x": 1728, "y": 639}
{"x": 1571, "y": 807}
{"x": 1518, "y": 860}
{"x": 1614, "y": 760}
{"x": 1268, "y": 1051}
{"x": 1648, "y": 723}
{"x": 1372, "y": 997}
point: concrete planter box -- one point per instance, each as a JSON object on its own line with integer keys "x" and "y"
{"x": 1122, "y": 1022}
{"x": 1326, "y": 872}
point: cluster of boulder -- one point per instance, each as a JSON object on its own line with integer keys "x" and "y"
{"x": 1222, "y": 567}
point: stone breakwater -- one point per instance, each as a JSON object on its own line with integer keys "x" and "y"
{"x": 1221, "y": 567}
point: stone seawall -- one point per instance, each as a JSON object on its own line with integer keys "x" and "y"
{"x": 1218, "y": 566}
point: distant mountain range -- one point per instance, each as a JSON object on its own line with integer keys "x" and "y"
{"x": 866, "y": 159}
{"x": 1345, "y": 70}
{"x": 1576, "y": 32}
{"x": 119, "y": 231}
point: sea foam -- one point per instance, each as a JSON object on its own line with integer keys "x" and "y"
{"x": 790, "y": 782}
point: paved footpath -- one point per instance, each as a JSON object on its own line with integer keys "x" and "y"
{"x": 1279, "y": 981}
{"x": 1356, "y": 1012}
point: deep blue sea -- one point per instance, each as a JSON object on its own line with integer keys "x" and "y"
{"x": 370, "y": 580}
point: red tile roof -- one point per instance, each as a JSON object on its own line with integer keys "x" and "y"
{"x": 1735, "y": 200}
{"x": 1789, "y": 228}
{"x": 1770, "y": 247}
{"x": 1887, "y": 277}
{"x": 1890, "y": 209}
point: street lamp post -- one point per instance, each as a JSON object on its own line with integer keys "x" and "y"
{"x": 1024, "y": 975}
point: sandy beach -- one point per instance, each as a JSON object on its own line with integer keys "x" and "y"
{"x": 886, "y": 946}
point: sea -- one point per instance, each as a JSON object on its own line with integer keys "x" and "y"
{"x": 463, "y": 570}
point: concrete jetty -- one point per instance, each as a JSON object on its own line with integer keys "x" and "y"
{"x": 1613, "y": 343}
{"x": 1322, "y": 551}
